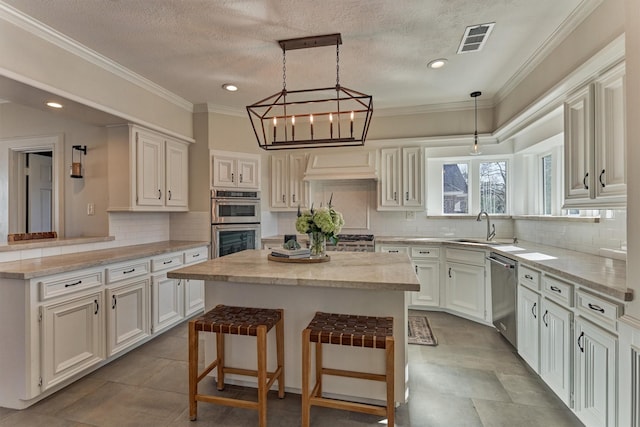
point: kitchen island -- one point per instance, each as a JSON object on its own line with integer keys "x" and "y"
{"x": 374, "y": 284}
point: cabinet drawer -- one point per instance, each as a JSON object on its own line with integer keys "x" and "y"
{"x": 598, "y": 309}
{"x": 466, "y": 256}
{"x": 119, "y": 272}
{"x": 62, "y": 284}
{"x": 196, "y": 255}
{"x": 529, "y": 277}
{"x": 394, "y": 249}
{"x": 558, "y": 290}
{"x": 165, "y": 262}
{"x": 425, "y": 252}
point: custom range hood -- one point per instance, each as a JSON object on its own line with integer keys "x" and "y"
{"x": 341, "y": 165}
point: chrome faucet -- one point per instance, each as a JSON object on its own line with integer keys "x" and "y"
{"x": 491, "y": 228}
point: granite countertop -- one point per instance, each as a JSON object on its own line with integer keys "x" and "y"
{"x": 372, "y": 270}
{"x": 44, "y": 266}
{"x": 50, "y": 243}
{"x": 601, "y": 274}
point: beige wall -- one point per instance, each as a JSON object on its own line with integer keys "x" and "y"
{"x": 20, "y": 121}
{"x": 32, "y": 60}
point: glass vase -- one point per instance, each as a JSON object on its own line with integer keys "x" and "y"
{"x": 317, "y": 244}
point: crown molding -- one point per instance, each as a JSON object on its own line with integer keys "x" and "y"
{"x": 46, "y": 33}
{"x": 578, "y": 15}
{"x": 220, "y": 109}
{"x": 434, "y": 108}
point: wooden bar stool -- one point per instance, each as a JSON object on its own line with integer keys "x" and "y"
{"x": 351, "y": 330}
{"x": 254, "y": 322}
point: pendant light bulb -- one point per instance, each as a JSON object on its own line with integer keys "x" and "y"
{"x": 476, "y": 147}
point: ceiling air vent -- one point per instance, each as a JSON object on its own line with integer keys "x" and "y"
{"x": 475, "y": 37}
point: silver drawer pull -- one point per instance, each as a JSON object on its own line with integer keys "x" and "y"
{"x": 596, "y": 308}
{"x": 556, "y": 289}
{"x": 72, "y": 284}
{"x": 528, "y": 276}
{"x": 129, "y": 271}
{"x": 168, "y": 262}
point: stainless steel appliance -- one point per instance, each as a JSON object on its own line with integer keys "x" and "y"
{"x": 353, "y": 243}
{"x": 504, "y": 284}
{"x": 235, "y": 207}
{"x": 235, "y": 221}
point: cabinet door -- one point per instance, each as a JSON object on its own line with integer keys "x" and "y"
{"x": 428, "y": 273}
{"x": 177, "y": 174}
{"x": 610, "y": 136}
{"x": 72, "y": 337}
{"x": 412, "y": 176}
{"x": 390, "y": 191}
{"x": 465, "y": 290}
{"x": 578, "y": 145}
{"x": 279, "y": 181}
{"x": 595, "y": 375}
{"x": 298, "y": 187}
{"x": 529, "y": 327}
{"x": 128, "y": 315}
{"x": 224, "y": 172}
{"x": 248, "y": 173}
{"x": 167, "y": 302}
{"x": 149, "y": 169}
{"x": 193, "y": 296}
{"x": 555, "y": 349}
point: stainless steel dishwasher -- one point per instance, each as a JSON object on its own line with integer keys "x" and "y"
{"x": 504, "y": 284}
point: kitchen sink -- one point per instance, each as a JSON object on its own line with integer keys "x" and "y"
{"x": 494, "y": 242}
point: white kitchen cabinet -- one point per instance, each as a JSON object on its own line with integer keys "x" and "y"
{"x": 401, "y": 185}
{"x": 148, "y": 171}
{"x": 595, "y": 143}
{"x": 288, "y": 188}
{"x": 529, "y": 326}
{"x": 193, "y": 296}
{"x": 230, "y": 170}
{"x": 392, "y": 249}
{"x": 555, "y": 349}
{"x": 595, "y": 375}
{"x": 167, "y": 302}
{"x": 426, "y": 262}
{"x": 127, "y": 315}
{"x": 465, "y": 289}
{"x": 72, "y": 337}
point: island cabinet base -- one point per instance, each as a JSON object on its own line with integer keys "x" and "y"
{"x": 300, "y": 303}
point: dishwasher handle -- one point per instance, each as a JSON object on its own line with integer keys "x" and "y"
{"x": 503, "y": 264}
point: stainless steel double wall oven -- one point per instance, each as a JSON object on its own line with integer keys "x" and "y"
{"x": 235, "y": 221}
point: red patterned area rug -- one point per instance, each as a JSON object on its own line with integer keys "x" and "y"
{"x": 420, "y": 331}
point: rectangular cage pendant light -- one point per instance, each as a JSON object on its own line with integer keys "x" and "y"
{"x": 312, "y": 118}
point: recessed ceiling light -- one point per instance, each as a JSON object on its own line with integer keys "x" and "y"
{"x": 229, "y": 87}
{"x": 437, "y": 63}
{"x": 54, "y": 104}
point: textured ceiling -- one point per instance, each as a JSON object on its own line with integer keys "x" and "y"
{"x": 192, "y": 47}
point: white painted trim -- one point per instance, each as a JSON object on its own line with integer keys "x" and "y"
{"x": 40, "y": 30}
{"x": 579, "y": 14}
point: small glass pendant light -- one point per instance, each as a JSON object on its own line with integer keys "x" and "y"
{"x": 476, "y": 147}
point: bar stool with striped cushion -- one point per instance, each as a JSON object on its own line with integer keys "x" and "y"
{"x": 223, "y": 320}
{"x": 349, "y": 330}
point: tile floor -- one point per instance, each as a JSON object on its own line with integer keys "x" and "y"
{"x": 472, "y": 378}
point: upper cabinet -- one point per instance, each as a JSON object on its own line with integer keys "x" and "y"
{"x": 401, "y": 183}
{"x": 288, "y": 188}
{"x": 595, "y": 143}
{"x": 230, "y": 170}
{"x": 148, "y": 171}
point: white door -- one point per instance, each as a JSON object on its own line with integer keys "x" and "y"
{"x": 248, "y": 173}
{"x": 298, "y": 187}
{"x": 193, "y": 296}
{"x": 176, "y": 174}
{"x": 465, "y": 289}
{"x": 390, "y": 161}
{"x": 279, "y": 181}
{"x": 578, "y": 145}
{"x": 223, "y": 172}
{"x": 39, "y": 202}
{"x": 72, "y": 337}
{"x": 595, "y": 375}
{"x": 555, "y": 349}
{"x": 529, "y": 327}
{"x": 128, "y": 315}
{"x": 150, "y": 169}
{"x": 167, "y": 302}
{"x": 428, "y": 273}
{"x": 412, "y": 176}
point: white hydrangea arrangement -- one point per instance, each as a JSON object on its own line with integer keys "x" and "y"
{"x": 326, "y": 220}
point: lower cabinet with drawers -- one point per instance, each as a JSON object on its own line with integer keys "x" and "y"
{"x": 568, "y": 335}
{"x": 78, "y": 320}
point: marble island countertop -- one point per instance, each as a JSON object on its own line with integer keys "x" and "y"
{"x": 44, "y": 266}
{"x": 373, "y": 270}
